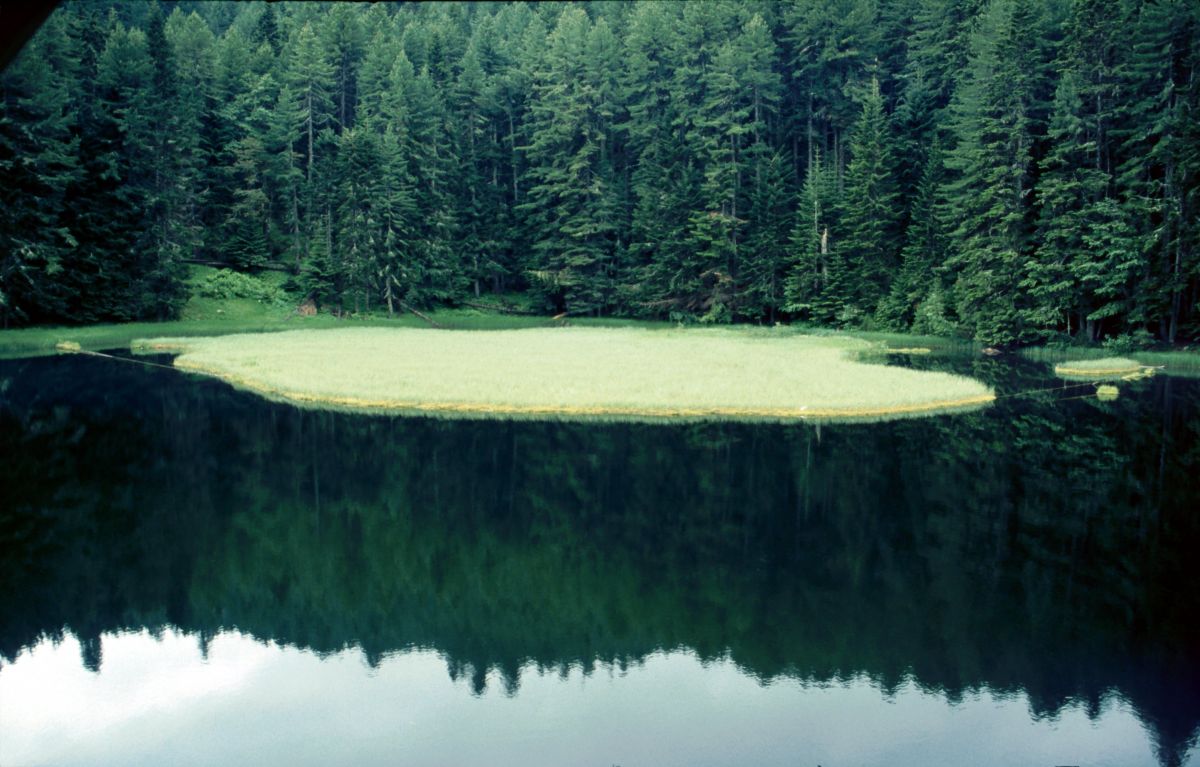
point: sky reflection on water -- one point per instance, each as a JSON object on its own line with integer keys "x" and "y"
{"x": 158, "y": 701}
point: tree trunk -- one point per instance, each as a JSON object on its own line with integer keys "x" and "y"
{"x": 1176, "y": 292}
{"x": 309, "y": 124}
{"x": 512, "y": 139}
{"x": 808, "y": 167}
{"x": 342, "y": 87}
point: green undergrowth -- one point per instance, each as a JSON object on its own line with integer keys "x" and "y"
{"x": 578, "y": 373}
{"x": 32, "y": 342}
{"x": 223, "y": 302}
{"x": 216, "y": 317}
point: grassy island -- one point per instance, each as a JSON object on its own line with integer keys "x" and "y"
{"x": 577, "y": 373}
{"x": 1099, "y": 369}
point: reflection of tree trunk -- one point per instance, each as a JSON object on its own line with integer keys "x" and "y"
{"x": 316, "y": 480}
{"x": 437, "y": 487}
{"x": 91, "y": 650}
{"x": 1163, "y": 441}
{"x": 512, "y": 469}
{"x": 803, "y": 497}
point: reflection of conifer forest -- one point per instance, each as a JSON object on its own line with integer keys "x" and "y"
{"x": 1031, "y": 547}
{"x": 1010, "y": 169}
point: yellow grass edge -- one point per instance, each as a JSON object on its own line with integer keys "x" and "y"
{"x": 1068, "y": 371}
{"x": 469, "y": 409}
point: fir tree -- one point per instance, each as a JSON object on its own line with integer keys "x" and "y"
{"x": 924, "y": 250}
{"x": 816, "y": 287}
{"x": 571, "y": 195}
{"x": 37, "y": 162}
{"x": 997, "y": 122}
{"x": 870, "y": 204}
{"x": 765, "y": 254}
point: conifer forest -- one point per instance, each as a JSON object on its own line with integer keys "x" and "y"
{"x": 1015, "y": 171}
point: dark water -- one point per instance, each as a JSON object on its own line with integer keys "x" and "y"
{"x": 194, "y": 576}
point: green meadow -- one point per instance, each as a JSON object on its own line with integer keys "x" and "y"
{"x": 621, "y": 373}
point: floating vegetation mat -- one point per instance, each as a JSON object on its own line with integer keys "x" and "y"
{"x": 1108, "y": 368}
{"x": 909, "y": 350}
{"x": 577, "y": 374}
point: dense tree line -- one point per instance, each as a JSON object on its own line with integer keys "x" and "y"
{"x": 1011, "y": 169}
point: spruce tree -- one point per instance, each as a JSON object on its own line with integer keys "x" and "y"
{"x": 99, "y": 209}
{"x": 997, "y": 123}
{"x": 570, "y": 199}
{"x": 917, "y": 280}
{"x": 816, "y": 288}
{"x": 432, "y": 165}
{"x": 311, "y": 78}
{"x": 1160, "y": 166}
{"x": 765, "y": 253}
{"x": 37, "y": 161}
{"x": 661, "y": 178}
{"x": 164, "y": 245}
{"x": 869, "y": 226}
{"x": 357, "y": 229}
{"x": 194, "y": 63}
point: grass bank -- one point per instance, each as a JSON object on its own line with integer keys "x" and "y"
{"x": 41, "y": 341}
{"x": 223, "y": 303}
{"x": 578, "y": 373}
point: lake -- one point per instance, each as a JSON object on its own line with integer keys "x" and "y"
{"x": 193, "y": 575}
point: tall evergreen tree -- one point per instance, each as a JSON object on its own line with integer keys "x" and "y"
{"x": 432, "y": 166}
{"x": 164, "y": 244}
{"x": 765, "y": 254}
{"x": 740, "y": 91}
{"x": 191, "y": 43}
{"x": 997, "y": 123}
{"x": 869, "y": 220}
{"x": 37, "y": 162}
{"x": 831, "y": 45}
{"x": 100, "y": 211}
{"x": 571, "y": 197}
{"x": 917, "y": 281}
{"x": 1160, "y": 169}
{"x": 816, "y": 288}
{"x": 311, "y": 78}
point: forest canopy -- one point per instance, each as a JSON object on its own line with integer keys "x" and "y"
{"x": 1012, "y": 170}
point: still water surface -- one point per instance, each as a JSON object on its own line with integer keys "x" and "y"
{"x": 195, "y": 576}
